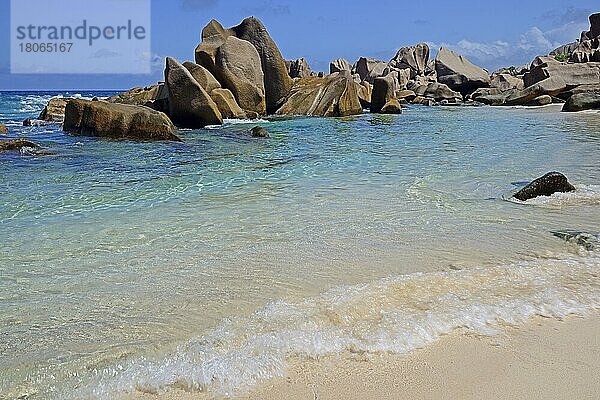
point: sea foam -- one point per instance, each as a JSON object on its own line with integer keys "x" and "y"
{"x": 395, "y": 315}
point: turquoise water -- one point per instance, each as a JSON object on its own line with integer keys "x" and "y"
{"x": 208, "y": 264}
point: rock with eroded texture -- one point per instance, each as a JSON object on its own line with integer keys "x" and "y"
{"x": 332, "y": 96}
{"x": 459, "y": 73}
{"x": 117, "y": 121}
{"x": 190, "y": 106}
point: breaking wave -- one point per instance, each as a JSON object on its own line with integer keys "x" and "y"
{"x": 397, "y": 315}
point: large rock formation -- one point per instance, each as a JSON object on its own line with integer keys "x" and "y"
{"x": 573, "y": 74}
{"x": 586, "y": 51}
{"x": 504, "y": 82}
{"x": 332, "y": 96}
{"x": 550, "y": 86}
{"x": 579, "y": 89}
{"x": 299, "y": 68}
{"x": 238, "y": 66}
{"x": 415, "y": 58}
{"x": 565, "y": 50}
{"x": 277, "y": 82}
{"x": 459, "y": 73}
{"x": 202, "y": 76}
{"x": 384, "y": 90}
{"x": 54, "y": 110}
{"x": 339, "y": 65}
{"x": 583, "y": 101}
{"x": 439, "y": 92}
{"x": 552, "y": 182}
{"x": 120, "y": 121}
{"x": 189, "y": 104}
{"x": 226, "y": 103}
{"x": 369, "y": 69}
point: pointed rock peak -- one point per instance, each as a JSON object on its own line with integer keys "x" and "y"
{"x": 213, "y": 28}
{"x": 253, "y": 21}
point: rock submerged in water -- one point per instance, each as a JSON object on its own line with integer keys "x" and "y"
{"x": 3, "y": 129}
{"x": 17, "y": 145}
{"x": 118, "y": 121}
{"x": 259, "y": 132}
{"x": 586, "y": 240}
{"x": 552, "y": 182}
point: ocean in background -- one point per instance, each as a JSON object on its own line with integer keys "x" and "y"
{"x": 206, "y": 265}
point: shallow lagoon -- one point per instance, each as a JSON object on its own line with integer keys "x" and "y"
{"x": 147, "y": 265}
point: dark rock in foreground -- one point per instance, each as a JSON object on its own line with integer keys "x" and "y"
{"x": 118, "y": 121}
{"x": 259, "y": 132}
{"x": 17, "y": 145}
{"x": 583, "y": 101}
{"x": 586, "y": 240}
{"x": 547, "y": 185}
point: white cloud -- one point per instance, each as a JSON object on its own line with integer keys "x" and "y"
{"x": 532, "y": 43}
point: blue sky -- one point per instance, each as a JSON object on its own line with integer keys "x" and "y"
{"x": 491, "y": 34}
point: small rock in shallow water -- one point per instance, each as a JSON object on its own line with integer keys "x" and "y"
{"x": 547, "y": 185}
{"x": 3, "y": 130}
{"x": 259, "y": 132}
{"x": 17, "y": 145}
{"x": 392, "y": 107}
{"x": 586, "y": 240}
